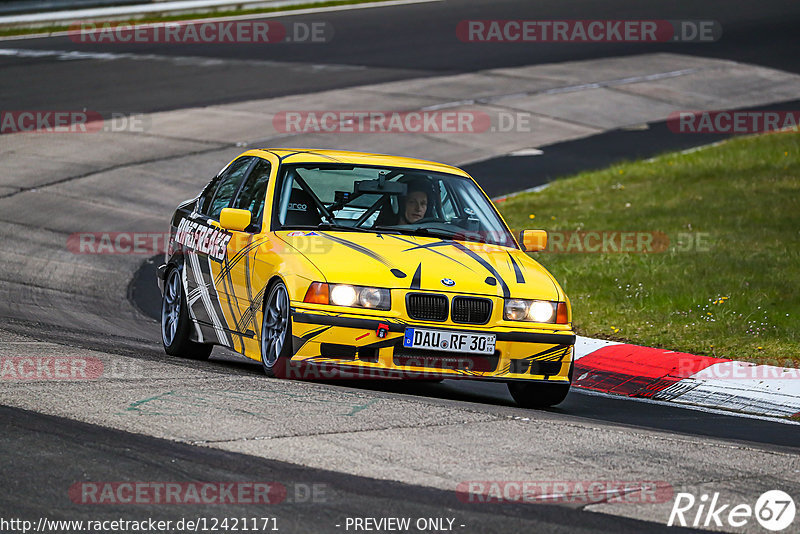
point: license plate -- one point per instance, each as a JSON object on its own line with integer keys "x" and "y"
{"x": 447, "y": 341}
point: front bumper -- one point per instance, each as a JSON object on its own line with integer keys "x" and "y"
{"x": 352, "y": 345}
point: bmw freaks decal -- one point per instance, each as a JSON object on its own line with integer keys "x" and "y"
{"x": 203, "y": 239}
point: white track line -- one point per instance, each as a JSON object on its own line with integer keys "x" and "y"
{"x": 686, "y": 406}
{"x": 270, "y": 15}
{"x": 195, "y": 61}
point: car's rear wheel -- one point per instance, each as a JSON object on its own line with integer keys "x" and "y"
{"x": 176, "y": 324}
{"x": 539, "y": 395}
{"x": 276, "y": 332}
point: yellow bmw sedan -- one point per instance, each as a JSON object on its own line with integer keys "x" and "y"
{"x": 331, "y": 264}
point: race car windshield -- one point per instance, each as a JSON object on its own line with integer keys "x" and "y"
{"x": 377, "y": 199}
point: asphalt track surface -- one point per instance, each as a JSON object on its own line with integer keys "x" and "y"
{"x": 96, "y": 453}
{"x": 370, "y": 46}
{"x": 498, "y": 176}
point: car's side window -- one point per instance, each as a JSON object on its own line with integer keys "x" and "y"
{"x": 228, "y": 185}
{"x": 253, "y": 193}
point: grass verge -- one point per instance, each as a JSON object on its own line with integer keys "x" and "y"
{"x": 727, "y": 284}
{"x": 212, "y": 13}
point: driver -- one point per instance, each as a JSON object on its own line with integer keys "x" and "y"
{"x": 419, "y": 198}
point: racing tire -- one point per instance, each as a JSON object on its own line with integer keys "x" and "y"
{"x": 276, "y": 332}
{"x": 532, "y": 395}
{"x": 176, "y": 325}
{"x": 539, "y": 395}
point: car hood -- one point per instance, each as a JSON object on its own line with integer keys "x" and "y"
{"x": 425, "y": 263}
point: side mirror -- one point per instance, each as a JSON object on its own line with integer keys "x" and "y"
{"x": 533, "y": 240}
{"x": 234, "y": 219}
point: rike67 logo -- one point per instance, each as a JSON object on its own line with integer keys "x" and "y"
{"x": 774, "y": 510}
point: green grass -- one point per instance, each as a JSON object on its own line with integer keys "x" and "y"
{"x": 212, "y": 13}
{"x": 737, "y": 296}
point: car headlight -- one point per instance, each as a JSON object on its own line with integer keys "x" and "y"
{"x": 373, "y": 298}
{"x": 343, "y": 295}
{"x": 537, "y": 311}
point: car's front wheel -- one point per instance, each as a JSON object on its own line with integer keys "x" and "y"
{"x": 176, "y": 324}
{"x": 533, "y": 395}
{"x": 276, "y": 332}
{"x": 537, "y": 395}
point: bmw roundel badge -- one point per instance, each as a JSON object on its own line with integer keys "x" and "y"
{"x": 448, "y": 282}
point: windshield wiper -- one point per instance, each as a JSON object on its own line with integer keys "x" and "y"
{"x": 337, "y": 226}
{"x": 394, "y": 229}
{"x": 437, "y": 232}
{"x": 419, "y": 231}
{"x": 382, "y": 229}
{"x": 460, "y": 234}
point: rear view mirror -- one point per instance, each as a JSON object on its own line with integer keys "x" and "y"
{"x": 380, "y": 186}
{"x": 234, "y": 219}
{"x": 533, "y": 240}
